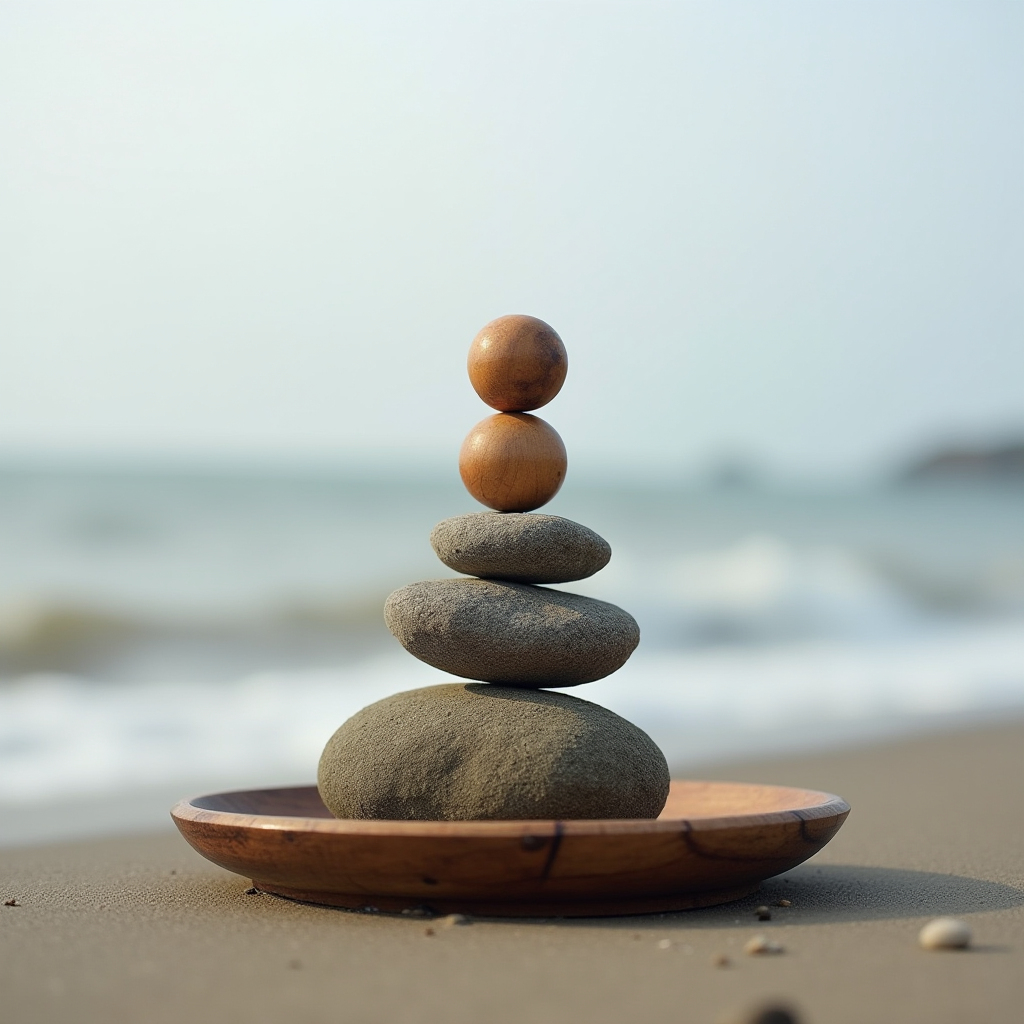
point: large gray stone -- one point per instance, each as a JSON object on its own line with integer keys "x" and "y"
{"x": 524, "y": 547}
{"x": 465, "y": 751}
{"x": 511, "y": 633}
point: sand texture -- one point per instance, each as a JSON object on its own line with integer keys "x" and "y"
{"x": 143, "y": 929}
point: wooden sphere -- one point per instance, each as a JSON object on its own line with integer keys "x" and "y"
{"x": 517, "y": 363}
{"x": 512, "y": 462}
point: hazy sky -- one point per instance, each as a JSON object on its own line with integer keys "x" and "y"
{"x": 270, "y": 230}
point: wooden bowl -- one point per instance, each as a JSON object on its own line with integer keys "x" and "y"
{"x": 714, "y": 842}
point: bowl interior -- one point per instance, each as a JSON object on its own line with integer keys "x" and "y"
{"x": 687, "y": 800}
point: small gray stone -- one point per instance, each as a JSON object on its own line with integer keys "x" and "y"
{"x": 511, "y": 633}
{"x": 524, "y": 547}
{"x": 470, "y": 751}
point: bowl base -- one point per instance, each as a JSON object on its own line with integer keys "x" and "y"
{"x": 489, "y": 908}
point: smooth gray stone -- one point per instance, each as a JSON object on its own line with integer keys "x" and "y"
{"x": 466, "y": 751}
{"x": 511, "y": 633}
{"x": 524, "y": 547}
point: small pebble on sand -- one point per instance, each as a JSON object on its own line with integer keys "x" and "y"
{"x": 11, "y": 903}
{"x": 766, "y": 1013}
{"x": 720, "y": 960}
{"x": 783, "y": 903}
{"x": 417, "y": 912}
{"x": 945, "y": 933}
{"x": 761, "y": 945}
{"x": 665, "y": 944}
{"x": 452, "y": 920}
{"x": 429, "y": 931}
{"x": 763, "y": 914}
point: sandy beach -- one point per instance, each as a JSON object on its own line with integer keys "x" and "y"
{"x": 143, "y": 929}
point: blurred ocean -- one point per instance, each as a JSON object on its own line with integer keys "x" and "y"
{"x": 167, "y": 633}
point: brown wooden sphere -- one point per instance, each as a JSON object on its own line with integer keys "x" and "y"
{"x": 517, "y": 363}
{"x": 512, "y": 462}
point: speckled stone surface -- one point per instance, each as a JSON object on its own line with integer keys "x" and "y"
{"x": 511, "y": 633}
{"x": 522, "y": 547}
{"x": 466, "y": 751}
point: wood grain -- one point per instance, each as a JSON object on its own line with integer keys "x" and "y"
{"x": 517, "y": 363}
{"x": 513, "y": 462}
{"x": 714, "y": 842}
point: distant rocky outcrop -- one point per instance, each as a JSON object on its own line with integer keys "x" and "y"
{"x": 998, "y": 462}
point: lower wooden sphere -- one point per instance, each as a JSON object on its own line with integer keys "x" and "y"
{"x": 513, "y": 462}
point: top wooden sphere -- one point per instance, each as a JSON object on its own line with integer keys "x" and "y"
{"x": 517, "y": 363}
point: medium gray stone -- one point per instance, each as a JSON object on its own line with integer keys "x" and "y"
{"x": 466, "y": 751}
{"x": 524, "y": 547}
{"x": 511, "y": 633}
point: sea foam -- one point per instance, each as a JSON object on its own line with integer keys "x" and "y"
{"x": 62, "y": 737}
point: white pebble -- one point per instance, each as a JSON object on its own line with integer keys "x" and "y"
{"x": 665, "y": 944}
{"x": 454, "y": 920}
{"x": 761, "y": 945}
{"x": 945, "y": 933}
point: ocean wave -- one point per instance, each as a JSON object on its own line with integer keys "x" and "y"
{"x": 759, "y": 590}
{"x": 35, "y": 622}
{"x": 762, "y": 587}
{"x": 115, "y": 644}
{"x": 63, "y": 738}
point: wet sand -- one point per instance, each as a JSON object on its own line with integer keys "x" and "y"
{"x": 142, "y": 929}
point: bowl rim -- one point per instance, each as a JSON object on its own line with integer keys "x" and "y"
{"x": 808, "y": 805}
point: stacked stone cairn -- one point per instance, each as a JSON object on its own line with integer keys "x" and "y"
{"x": 503, "y": 746}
